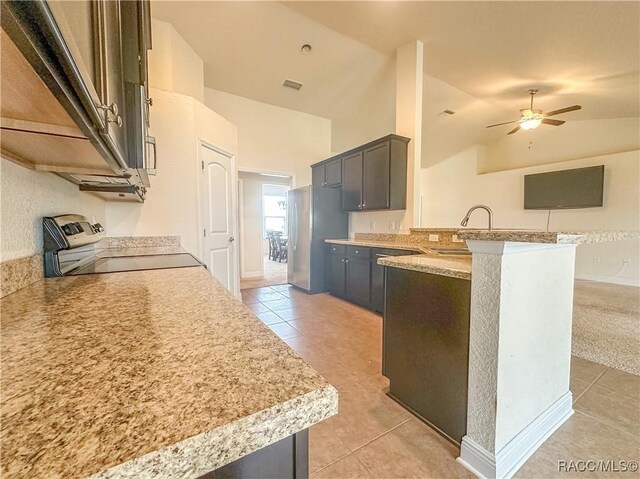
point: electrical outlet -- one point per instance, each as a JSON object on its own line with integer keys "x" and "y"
{"x": 434, "y": 238}
{"x": 372, "y": 225}
{"x": 455, "y": 239}
{"x": 596, "y": 259}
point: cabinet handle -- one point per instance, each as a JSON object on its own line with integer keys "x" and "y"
{"x": 152, "y": 141}
{"x": 117, "y": 120}
{"x": 364, "y": 204}
{"x": 357, "y": 251}
{"x": 342, "y": 260}
{"x": 346, "y": 260}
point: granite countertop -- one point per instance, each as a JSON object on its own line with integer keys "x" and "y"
{"x": 559, "y": 237}
{"x": 453, "y": 266}
{"x": 378, "y": 244}
{"x": 159, "y": 373}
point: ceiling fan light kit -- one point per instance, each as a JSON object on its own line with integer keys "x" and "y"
{"x": 531, "y": 119}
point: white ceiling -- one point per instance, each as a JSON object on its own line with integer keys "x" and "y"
{"x": 480, "y": 57}
{"x": 574, "y": 52}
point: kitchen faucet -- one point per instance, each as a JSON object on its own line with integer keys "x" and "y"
{"x": 465, "y": 220}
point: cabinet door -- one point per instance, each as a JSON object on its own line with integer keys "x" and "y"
{"x": 352, "y": 182}
{"x": 112, "y": 77}
{"x": 337, "y": 275}
{"x": 333, "y": 173}
{"x": 359, "y": 281}
{"x": 377, "y": 284}
{"x": 376, "y": 177}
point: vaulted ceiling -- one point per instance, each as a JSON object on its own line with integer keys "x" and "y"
{"x": 480, "y": 57}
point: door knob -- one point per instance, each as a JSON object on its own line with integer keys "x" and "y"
{"x": 231, "y": 239}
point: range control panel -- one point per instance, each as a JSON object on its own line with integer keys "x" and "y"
{"x": 70, "y": 231}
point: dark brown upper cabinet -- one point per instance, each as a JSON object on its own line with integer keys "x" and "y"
{"x": 352, "y": 181}
{"x": 330, "y": 172}
{"x": 374, "y": 177}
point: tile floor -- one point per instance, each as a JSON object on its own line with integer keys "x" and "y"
{"x": 373, "y": 437}
{"x": 274, "y": 273}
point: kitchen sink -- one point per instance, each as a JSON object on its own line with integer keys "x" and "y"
{"x": 451, "y": 251}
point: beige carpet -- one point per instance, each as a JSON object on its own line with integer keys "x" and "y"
{"x": 606, "y": 324}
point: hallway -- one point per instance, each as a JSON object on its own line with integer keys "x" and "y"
{"x": 274, "y": 274}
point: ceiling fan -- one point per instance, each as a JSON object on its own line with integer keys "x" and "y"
{"x": 532, "y": 119}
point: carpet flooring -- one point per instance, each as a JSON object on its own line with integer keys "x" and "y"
{"x": 606, "y": 324}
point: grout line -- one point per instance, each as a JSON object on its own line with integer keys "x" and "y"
{"x": 590, "y": 384}
{"x": 363, "y": 445}
{"x": 601, "y": 421}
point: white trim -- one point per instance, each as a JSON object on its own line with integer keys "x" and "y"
{"x": 252, "y": 274}
{"x": 511, "y": 247}
{"x": 609, "y": 279}
{"x": 511, "y": 457}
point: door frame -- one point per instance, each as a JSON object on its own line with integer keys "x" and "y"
{"x": 234, "y": 207}
{"x": 240, "y": 216}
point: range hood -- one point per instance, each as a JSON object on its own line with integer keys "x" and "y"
{"x": 110, "y": 188}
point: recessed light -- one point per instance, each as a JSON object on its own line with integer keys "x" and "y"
{"x": 305, "y": 49}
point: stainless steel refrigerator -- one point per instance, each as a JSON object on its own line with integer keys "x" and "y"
{"x": 315, "y": 214}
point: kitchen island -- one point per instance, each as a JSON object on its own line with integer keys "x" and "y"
{"x": 519, "y": 337}
{"x": 150, "y": 374}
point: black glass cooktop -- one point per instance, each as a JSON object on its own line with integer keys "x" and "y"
{"x": 117, "y": 264}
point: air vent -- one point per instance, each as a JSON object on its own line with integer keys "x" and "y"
{"x": 292, "y": 84}
{"x": 448, "y": 112}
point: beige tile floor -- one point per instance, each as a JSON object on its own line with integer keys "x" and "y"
{"x": 373, "y": 437}
{"x": 274, "y": 273}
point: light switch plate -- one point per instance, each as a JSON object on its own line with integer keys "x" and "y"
{"x": 455, "y": 239}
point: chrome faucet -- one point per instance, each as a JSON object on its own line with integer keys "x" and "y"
{"x": 465, "y": 220}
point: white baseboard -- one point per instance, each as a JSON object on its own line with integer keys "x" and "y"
{"x": 251, "y": 274}
{"x": 609, "y": 279}
{"x": 510, "y": 458}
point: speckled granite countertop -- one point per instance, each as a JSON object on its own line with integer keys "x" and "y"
{"x": 152, "y": 374}
{"x": 453, "y": 266}
{"x": 378, "y": 244}
{"x": 560, "y": 237}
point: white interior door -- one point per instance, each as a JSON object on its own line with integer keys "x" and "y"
{"x": 220, "y": 251}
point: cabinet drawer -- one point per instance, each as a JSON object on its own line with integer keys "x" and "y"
{"x": 336, "y": 248}
{"x": 359, "y": 251}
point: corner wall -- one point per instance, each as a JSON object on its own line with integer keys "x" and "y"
{"x": 452, "y": 186}
{"x": 273, "y": 138}
{"x": 28, "y": 195}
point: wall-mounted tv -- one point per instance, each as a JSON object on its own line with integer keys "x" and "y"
{"x": 577, "y": 188}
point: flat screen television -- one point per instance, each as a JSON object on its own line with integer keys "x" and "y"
{"x": 577, "y": 188}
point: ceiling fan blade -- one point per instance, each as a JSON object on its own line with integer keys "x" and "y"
{"x": 505, "y": 123}
{"x": 526, "y": 112}
{"x": 548, "y": 121}
{"x": 563, "y": 110}
{"x": 514, "y": 130}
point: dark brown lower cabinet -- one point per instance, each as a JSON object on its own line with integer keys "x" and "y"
{"x": 285, "y": 459}
{"x": 425, "y": 351}
{"x": 353, "y": 273}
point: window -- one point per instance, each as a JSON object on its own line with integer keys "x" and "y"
{"x": 275, "y": 214}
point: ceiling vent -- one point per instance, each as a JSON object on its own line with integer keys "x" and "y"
{"x": 292, "y": 84}
{"x": 448, "y": 112}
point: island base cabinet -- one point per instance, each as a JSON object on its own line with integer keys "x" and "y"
{"x": 285, "y": 459}
{"x": 426, "y": 347}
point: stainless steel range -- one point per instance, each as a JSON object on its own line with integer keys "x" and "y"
{"x": 72, "y": 247}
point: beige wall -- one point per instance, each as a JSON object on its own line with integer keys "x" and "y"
{"x": 173, "y": 64}
{"x": 251, "y": 239}
{"x": 574, "y": 139}
{"x": 450, "y": 187}
{"x": 26, "y": 196}
{"x": 172, "y": 206}
{"x": 273, "y": 138}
